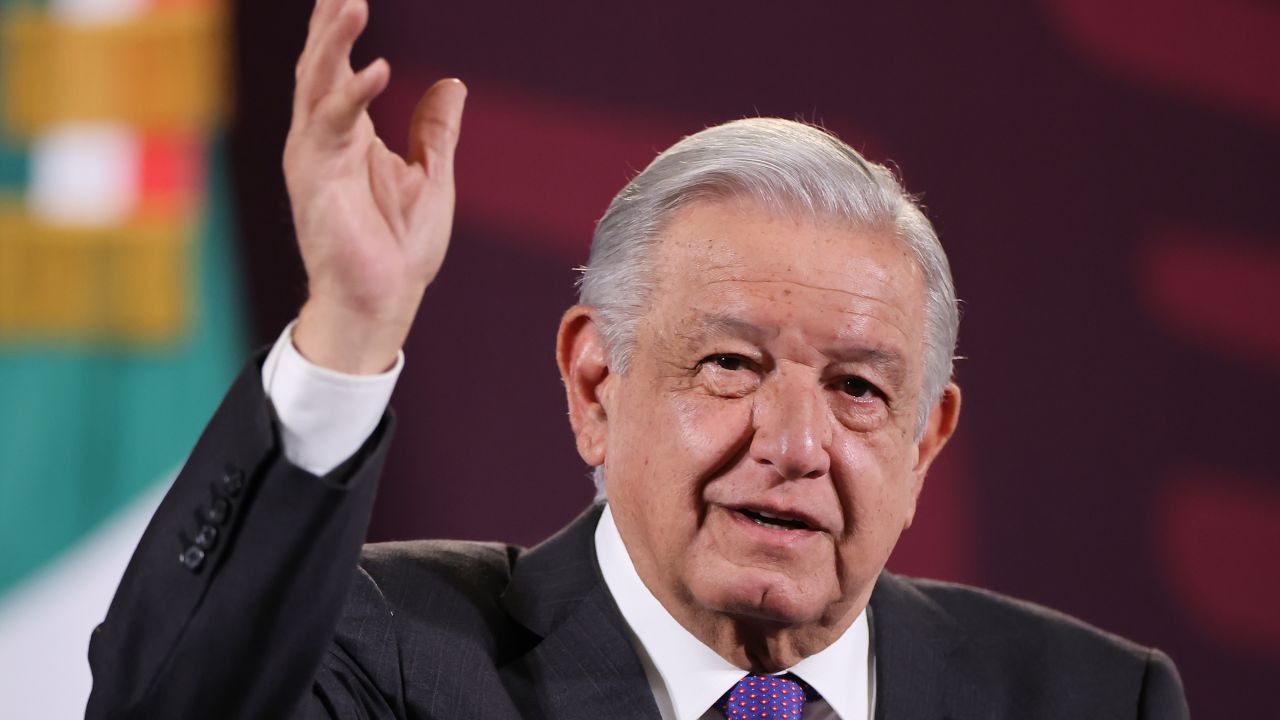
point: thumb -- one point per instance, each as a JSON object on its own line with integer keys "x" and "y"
{"x": 433, "y": 132}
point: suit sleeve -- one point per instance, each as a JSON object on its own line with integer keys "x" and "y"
{"x": 1162, "y": 695}
{"x": 230, "y": 601}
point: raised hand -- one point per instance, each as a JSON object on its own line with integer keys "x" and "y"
{"x": 373, "y": 228}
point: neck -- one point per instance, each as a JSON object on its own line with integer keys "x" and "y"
{"x": 759, "y": 645}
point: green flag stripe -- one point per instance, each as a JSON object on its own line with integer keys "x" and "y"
{"x": 83, "y": 430}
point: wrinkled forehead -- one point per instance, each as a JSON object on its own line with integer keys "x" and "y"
{"x": 786, "y": 271}
{"x": 735, "y": 239}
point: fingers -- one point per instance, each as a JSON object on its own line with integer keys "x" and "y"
{"x": 326, "y": 61}
{"x": 386, "y": 176}
{"x": 433, "y": 132}
{"x": 320, "y": 14}
{"x": 342, "y": 107}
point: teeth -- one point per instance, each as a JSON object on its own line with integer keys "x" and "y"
{"x": 774, "y": 521}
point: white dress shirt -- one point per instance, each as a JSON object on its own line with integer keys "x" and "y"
{"x": 687, "y": 677}
{"x": 325, "y": 417}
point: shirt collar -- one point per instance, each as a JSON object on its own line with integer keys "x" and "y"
{"x": 692, "y": 674}
{"x": 841, "y": 672}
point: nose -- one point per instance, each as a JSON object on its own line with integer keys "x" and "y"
{"x": 792, "y": 428}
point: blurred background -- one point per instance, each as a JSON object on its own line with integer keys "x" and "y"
{"x": 1102, "y": 173}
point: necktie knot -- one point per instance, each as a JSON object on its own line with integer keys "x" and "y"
{"x": 766, "y": 697}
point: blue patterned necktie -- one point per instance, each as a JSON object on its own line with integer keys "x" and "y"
{"x": 766, "y": 697}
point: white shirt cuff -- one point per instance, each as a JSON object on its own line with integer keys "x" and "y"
{"x": 325, "y": 416}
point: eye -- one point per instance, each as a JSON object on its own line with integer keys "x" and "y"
{"x": 728, "y": 375}
{"x": 857, "y": 387}
{"x": 728, "y": 362}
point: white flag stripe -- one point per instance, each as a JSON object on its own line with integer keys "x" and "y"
{"x": 95, "y": 12}
{"x": 85, "y": 174}
{"x": 46, "y": 621}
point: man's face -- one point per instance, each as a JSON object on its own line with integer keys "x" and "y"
{"x": 759, "y": 451}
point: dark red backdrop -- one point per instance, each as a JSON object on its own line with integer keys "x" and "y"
{"x": 1102, "y": 173}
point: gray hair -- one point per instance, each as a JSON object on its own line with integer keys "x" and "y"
{"x": 788, "y": 167}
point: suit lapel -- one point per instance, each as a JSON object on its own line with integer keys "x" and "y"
{"x": 585, "y": 665}
{"x": 915, "y": 640}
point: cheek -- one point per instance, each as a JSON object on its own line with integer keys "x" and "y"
{"x": 711, "y": 430}
{"x": 662, "y": 452}
{"x": 690, "y": 440}
{"x": 874, "y": 478}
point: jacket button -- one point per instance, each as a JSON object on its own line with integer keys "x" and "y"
{"x": 232, "y": 482}
{"x": 192, "y": 558}
{"x": 217, "y": 511}
{"x": 207, "y": 536}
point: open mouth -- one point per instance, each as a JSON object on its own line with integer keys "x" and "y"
{"x": 774, "y": 521}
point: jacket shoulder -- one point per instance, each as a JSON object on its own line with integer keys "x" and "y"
{"x": 454, "y": 579}
{"x": 1045, "y": 663}
{"x": 433, "y": 594}
{"x": 484, "y": 566}
{"x": 1025, "y": 626}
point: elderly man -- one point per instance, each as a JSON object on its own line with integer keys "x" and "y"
{"x": 759, "y": 372}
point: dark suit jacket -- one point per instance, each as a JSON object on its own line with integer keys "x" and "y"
{"x": 243, "y": 600}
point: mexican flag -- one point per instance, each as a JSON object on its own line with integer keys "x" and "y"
{"x": 120, "y": 324}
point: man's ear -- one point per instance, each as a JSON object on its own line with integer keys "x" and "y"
{"x": 937, "y": 431}
{"x": 584, "y": 368}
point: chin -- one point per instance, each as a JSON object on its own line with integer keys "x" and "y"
{"x": 762, "y": 596}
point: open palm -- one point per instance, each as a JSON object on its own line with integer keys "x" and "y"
{"x": 373, "y": 228}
